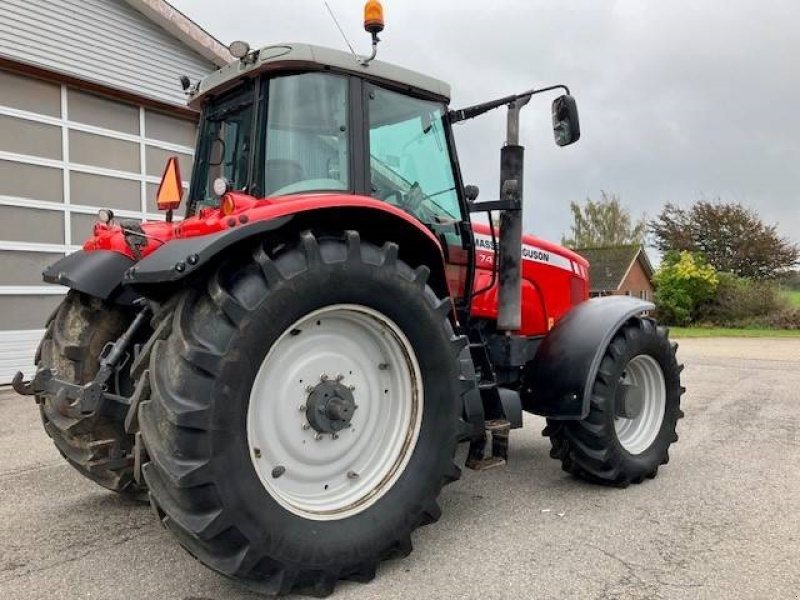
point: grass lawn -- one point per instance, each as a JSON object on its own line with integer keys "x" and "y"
{"x": 698, "y": 332}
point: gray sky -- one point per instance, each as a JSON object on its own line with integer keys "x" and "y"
{"x": 677, "y": 101}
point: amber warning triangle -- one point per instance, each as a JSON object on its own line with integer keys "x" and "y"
{"x": 170, "y": 190}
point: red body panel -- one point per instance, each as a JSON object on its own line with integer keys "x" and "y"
{"x": 554, "y": 278}
{"x": 246, "y": 210}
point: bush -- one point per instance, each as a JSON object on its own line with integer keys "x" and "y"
{"x": 683, "y": 283}
{"x": 738, "y": 299}
{"x": 787, "y": 318}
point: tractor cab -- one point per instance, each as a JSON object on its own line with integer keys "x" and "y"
{"x": 304, "y": 120}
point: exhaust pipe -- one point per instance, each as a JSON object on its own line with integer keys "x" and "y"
{"x": 509, "y": 316}
{"x": 509, "y": 253}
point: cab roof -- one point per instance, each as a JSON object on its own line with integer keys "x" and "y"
{"x": 306, "y": 57}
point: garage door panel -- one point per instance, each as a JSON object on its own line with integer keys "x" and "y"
{"x": 26, "y": 312}
{"x": 31, "y": 181}
{"x": 29, "y": 94}
{"x": 24, "y": 268}
{"x": 28, "y": 137}
{"x": 31, "y": 225}
{"x": 105, "y": 152}
{"x": 158, "y": 126}
{"x": 105, "y": 192}
{"x": 81, "y": 226}
{"x": 102, "y": 112}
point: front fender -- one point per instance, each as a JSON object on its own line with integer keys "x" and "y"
{"x": 98, "y": 273}
{"x": 558, "y": 382}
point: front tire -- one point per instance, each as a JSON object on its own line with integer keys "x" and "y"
{"x": 226, "y": 424}
{"x": 614, "y": 447}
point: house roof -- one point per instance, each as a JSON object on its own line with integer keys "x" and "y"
{"x": 608, "y": 266}
{"x": 168, "y": 17}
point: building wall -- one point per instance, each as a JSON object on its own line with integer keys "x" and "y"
{"x": 103, "y": 41}
{"x": 64, "y": 153}
{"x": 637, "y": 283}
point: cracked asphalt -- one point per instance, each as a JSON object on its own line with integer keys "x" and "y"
{"x": 722, "y": 520}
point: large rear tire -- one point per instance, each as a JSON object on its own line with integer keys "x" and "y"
{"x": 76, "y": 334}
{"x": 610, "y": 446}
{"x": 244, "y": 470}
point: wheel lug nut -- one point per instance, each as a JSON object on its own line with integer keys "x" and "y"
{"x": 306, "y": 426}
{"x": 351, "y": 387}
{"x": 383, "y": 366}
{"x": 334, "y": 436}
{"x": 302, "y": 408}
{"x": 352, "y": 475}
{"x": 257, "y": 452}
{"x": 278, "y": 471}
{"x": 323, "y": 377}
{"x": 339, "y": 377}
{"x": 318, "y": 436}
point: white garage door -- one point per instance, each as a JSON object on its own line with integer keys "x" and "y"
{"x": 63, "y": 154}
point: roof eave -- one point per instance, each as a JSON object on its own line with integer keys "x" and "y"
{"x": 184, "y": 29}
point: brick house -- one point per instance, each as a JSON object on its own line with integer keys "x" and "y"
{"x": 619, "y": 270}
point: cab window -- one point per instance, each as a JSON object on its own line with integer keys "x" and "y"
{"x": 410, "y": 163}
{"x": 225, "y": 145}
{"x": 307, "y": 139}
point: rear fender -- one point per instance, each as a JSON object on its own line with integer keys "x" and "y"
{"x": 557, "y": 383}
{"x": 98, "y": 273}
{"x": 182, "y": 258}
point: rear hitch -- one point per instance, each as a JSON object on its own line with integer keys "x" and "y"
{"x": 82, "y": 401}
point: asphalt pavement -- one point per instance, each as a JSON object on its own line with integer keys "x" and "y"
{"x": 721, "y": 520}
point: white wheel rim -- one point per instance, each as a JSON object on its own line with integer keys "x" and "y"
{"x": 638, "y": 434}
{"x": 327, "y": 476}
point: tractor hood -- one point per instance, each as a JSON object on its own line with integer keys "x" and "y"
{"x": 538, "y": 250}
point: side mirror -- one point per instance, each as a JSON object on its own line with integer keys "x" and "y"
{"x": 170, "y": 190}
{"x": 471, "y": 193}
{"x": 566, "y": 126}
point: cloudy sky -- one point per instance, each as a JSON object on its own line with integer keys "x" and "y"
{"x": 678, "y": 101}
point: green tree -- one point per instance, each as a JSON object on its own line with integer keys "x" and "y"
{"x": 605, "y": 222}
{"x": 732, "y": 237}
{"x": 683, "y": 282}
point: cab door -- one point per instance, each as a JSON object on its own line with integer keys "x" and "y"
{"x": 410, "y": 166}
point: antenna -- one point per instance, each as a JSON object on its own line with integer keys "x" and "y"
{"x": 339, "y": 27}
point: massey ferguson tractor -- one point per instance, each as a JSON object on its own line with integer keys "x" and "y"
{"x": 286, "y": 372}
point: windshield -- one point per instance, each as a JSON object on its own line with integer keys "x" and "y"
{"x": 409, "y": 157}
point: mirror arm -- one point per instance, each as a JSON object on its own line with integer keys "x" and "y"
{"x": 490, "y": 205}
{"x": 470, "y": 112}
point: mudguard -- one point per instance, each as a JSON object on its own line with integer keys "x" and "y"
{"x": 182, "y": 257}
{"x": 97, "y": 273}
{"x": 558, "y": 382}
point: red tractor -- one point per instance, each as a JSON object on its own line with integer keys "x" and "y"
{"x": 286, "y": 373}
